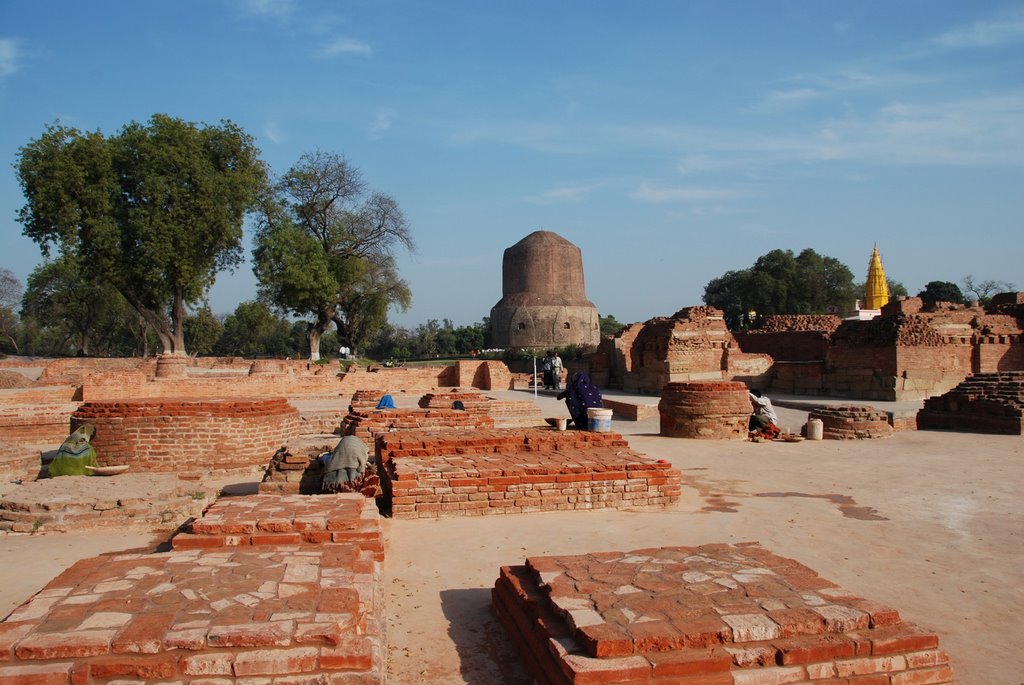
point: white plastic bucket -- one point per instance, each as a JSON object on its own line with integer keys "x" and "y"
{"x": 815, "y": 429}
{"x": 599, "y": 420}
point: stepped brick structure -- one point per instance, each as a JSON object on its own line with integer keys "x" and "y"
{"x": 691, "y": 345}
{"x": 709, "y": 615}
{"x": 851, "y": 422}
{"x": 158, "y": 502}
{"x": 232, "y": 614}
{"x": 515, "y": 471}
{"x": 544, "y": 301}
{"x": 267, "y": 520}
{"x": 707, "y": 411}
{"x": 179, "y": 435}
{"x": 369, "y": 424}
{"x": 984, "y": 403}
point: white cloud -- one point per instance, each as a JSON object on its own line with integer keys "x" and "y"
{"x": 984, "y": 34}
{"x": 346, "y": 46}
{"x": 8, "y": 56}
{"x": 381, "y": 123}
{"x": 274, "y": 133}
{"x": 564, "y": 194}
{"x": 649, "y": 192}
{"x": 272, "y": 9}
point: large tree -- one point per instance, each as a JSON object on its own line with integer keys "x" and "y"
{"x": 780, "y": 282}
{"x": 156, "y": 210}
{"x": 984, "y": 290}
{"x": 10, "y": 295}
{"x": 324, "y": 249}
{"x": 942, "y": 291}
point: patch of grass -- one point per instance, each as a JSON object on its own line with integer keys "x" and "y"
{"x": 198, "y": 495}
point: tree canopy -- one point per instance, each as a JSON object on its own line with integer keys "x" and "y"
{"x": 983, "y": 290}
{"x": 156, "y": 210}
{"x": 781, "y": 283}
{"x": 325, "y": 250}
{"x": 942, "y": 291}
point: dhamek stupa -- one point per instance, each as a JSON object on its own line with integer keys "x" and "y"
{"x": 544, "y": 302}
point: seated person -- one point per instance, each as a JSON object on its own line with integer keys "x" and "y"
{"x": 764, "y": 414}
{"x": 579, "y": 395}
{"x": 75, "y": 454}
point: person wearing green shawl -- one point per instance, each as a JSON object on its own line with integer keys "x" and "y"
{"x": 75, "y": 453}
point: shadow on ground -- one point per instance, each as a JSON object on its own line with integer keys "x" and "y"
{"x": 486, "y": 655}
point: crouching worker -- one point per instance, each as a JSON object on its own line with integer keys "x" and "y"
{"x": 75, "y": 454}
{"x": 764, "y": 419}
{"x": 349, "y": 468}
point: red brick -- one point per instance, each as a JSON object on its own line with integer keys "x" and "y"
{"x": 78, "y": 644}
{"x": 909, "y": 639}
{"x": 812, "y": 649}
{"x": 218, "y": 663}
{"x": 155, "y": 667}
{"x": 928, "y": 676}
{"x": 276, "y": 661}
{"x": 143, "y": 634}
{"x": 36, "y": 674}
{"x": 351, "y": 654}
{"x": 690, "y": 662}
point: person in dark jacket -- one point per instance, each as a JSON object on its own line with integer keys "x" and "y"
{"x": 579, "y": 395}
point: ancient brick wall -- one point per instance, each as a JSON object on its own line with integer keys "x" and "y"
{"x": 983, "y": 403}
{"x": 706, "y": 411}
{"x": 821, "y": 323}
{"x": 999, "y": 353}
{"x": 178, "y": 435}
{"x": 367, "y": 425}
{"x": 791, "y": 346}
{"x": 45, "y": 425}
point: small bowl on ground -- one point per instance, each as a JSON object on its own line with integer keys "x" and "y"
{"x": 107, "y": 470}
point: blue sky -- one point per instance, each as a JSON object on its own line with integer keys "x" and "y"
{"x": 670, "y": 141}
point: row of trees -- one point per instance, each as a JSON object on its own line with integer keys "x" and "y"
{"x": 147, "y": 218}
{"x": 780, "y": 282}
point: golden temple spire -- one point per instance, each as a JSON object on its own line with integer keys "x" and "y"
{"x": 877, "y": 289}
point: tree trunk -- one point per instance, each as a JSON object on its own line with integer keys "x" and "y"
{"x": 178, "y": 323}
{"x": 161, "y": 326}
{"x": 316, "y": 331}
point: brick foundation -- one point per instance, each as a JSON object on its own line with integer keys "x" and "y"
{"x": 707, "y": 411}
{"x": 709, "y": 615}
{"x": 850, "y": 422}
{"x": 283, "y": 614}
{"x": 510, "y": 471}
{"x": 369, "y": 424}
{"x": 75, "y": 503}
{"x": 984, "y": 403}
{"x": 176, "y": 435}
{"x": 264, "y": 520}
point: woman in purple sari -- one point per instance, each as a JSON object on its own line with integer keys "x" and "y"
{"x": 579, "y": 396}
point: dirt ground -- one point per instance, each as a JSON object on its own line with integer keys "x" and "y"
{"x": 927, "y": 522}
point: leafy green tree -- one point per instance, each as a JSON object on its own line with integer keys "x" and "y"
{"x": 202, "y": 330}
{"x": 10, "y": 294}
{"x": 156, "y": 211}
{"x": 942, "y": 291}
{"x": 609, "y": 325}
{"x": 324, "y": 249}
{"x": 984, "y": 290}
{"x": 781, "y": 283}
{"x": 253, "y": 330}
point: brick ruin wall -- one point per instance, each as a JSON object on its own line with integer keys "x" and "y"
{"x": 514, "y": 471}
{"x": 706, "y": 411}
{"x": 367, "y": 425}
{"x": 983, "y": 403}
{"x": 179, "y": 435}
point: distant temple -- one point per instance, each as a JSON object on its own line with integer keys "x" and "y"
{"x": 876, "y": 291}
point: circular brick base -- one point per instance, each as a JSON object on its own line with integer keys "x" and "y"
{"x": 708, "y": 411}
{"x": 179, "y": 435}
{"x": 851, "y": 422}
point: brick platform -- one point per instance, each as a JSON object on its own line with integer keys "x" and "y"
{"x": 172, "y": 435}
{"x": 984, "y": 403}
{"x": 158, "y": 501}
{"x": 299, "y": 614}
{"x": 709, "y": 615}
{"x": 369, "y": 424}
{"x": 707, "y": 411}
{"x": 851, "y": 422}
{"x": 286, "y": 520}
{"x": 513, "y": 471}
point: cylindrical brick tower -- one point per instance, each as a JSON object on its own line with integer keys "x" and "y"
{"x": 544, "y": 302}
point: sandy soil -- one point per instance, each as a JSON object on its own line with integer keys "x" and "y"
{"x": 927, "y": 522}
